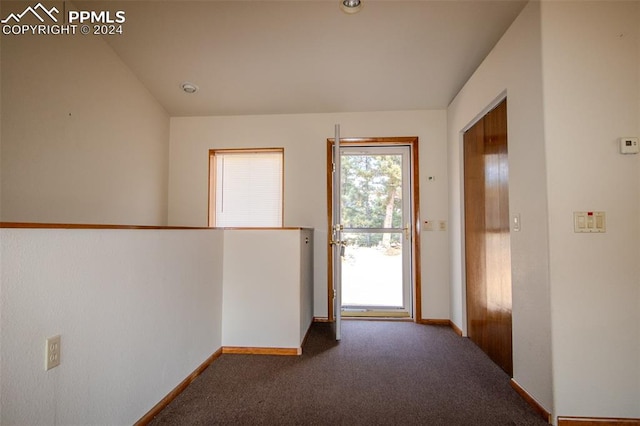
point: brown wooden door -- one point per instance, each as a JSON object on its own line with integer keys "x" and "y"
{"x": 487, "y": 241}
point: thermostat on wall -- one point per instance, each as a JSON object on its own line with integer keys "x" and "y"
{"x": 629, "y": 146}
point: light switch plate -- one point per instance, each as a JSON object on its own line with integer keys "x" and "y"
{"x": 589, "y": 222}
{"x": 515, "y": 222}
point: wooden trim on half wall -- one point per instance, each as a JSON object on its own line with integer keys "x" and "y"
{"x": 412, "y": 143}
{"x": 596, "y": 421}
{"x": 177, "y": 390}
{"x": 531, "y": 401}
{"x": 33, "y": 225}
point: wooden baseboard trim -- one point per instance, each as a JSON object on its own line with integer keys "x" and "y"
{"x": 434, "y": 321}
{"x": 144, "y": 420}
{"x": 242, "y": 350}
{"x": 596, "y": 421}
{"x": 455, "y": 328}
{"x": 446, "y": 322}
{"x": 531, "y": 401}
{"x": 320, "y": 319}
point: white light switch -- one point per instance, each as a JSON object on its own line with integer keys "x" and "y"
{"x": 589, "y": 222}
{"x": 515, "y": 221}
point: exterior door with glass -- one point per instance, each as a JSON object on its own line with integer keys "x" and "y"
{"x": 375, "y": 214}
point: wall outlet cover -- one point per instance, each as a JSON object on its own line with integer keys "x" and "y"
{"x": 52, "y": 352}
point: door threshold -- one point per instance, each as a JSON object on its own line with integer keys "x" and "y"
{"x": 390, "y": 319}
{"x": 373, "y": 313}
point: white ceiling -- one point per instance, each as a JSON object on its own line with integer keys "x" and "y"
{"x": 271, "y": 57}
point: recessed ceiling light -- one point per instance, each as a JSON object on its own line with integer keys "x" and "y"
{"x": 351, "y": 6}
{"x": 189, "y": 87}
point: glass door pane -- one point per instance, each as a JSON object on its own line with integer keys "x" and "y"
{"x": 375, "y": 213}
{"x": 372, "y": 272}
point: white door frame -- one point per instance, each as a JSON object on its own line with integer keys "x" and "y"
{"x": 404, "y": 230}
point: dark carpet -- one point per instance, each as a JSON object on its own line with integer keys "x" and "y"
{"x": 381, "y": 373}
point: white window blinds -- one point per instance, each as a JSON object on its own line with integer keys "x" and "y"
{"x": 248, "y": 188}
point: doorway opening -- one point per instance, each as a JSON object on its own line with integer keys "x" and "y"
{"x": 378, "y": 208}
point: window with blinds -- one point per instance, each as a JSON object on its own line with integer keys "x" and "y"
{"x": 246, "y": 188}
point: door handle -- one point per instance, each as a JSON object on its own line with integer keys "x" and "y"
{"x": 407, "y": 231}
{"x": 341, "y": 243}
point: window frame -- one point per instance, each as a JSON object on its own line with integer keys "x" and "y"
{"x": 211, "y": 214}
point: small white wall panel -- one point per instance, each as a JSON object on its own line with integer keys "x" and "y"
{"x": 262, "y": 289}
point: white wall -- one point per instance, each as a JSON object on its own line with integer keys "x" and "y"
{"x": 82, "y": 140}
{"x": 514, "y": 67}
{"x": 306, "y": 280}
{"x": 138, "y": 311}
{"x": 303, "y": 138}
{"x": 591, "y": 84}
{"x": 263, "y": 302}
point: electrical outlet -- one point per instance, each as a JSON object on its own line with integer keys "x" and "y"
{"x": 52, "y": 352}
